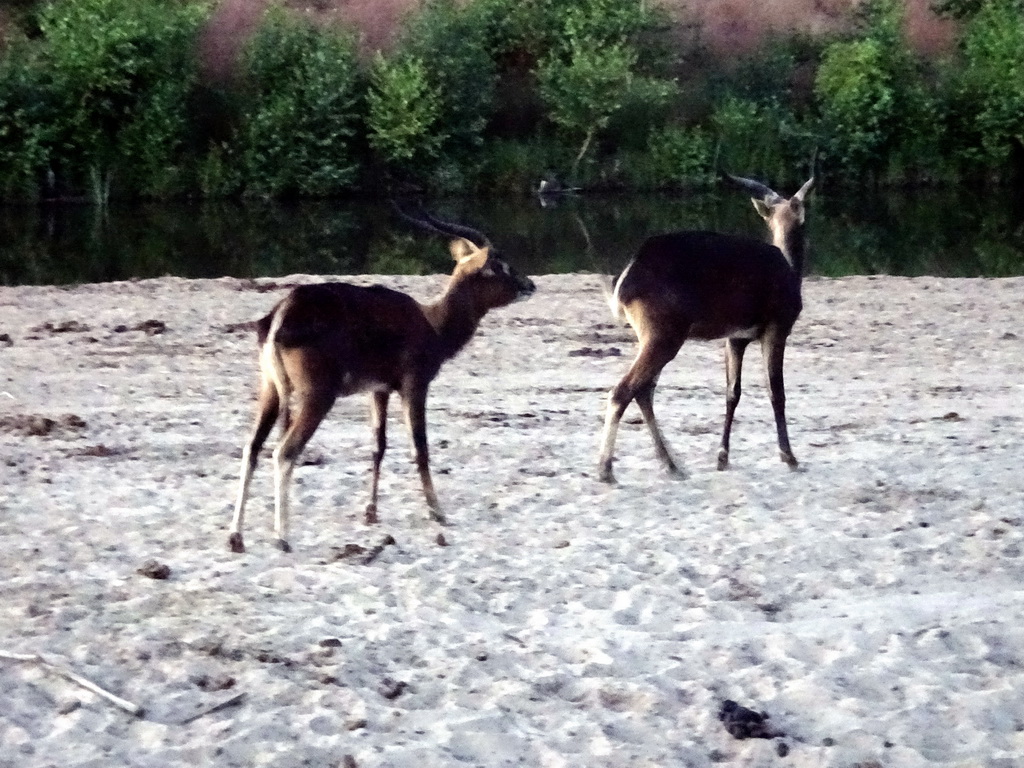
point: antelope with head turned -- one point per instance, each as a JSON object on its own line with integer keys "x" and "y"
{"x": 330, "y": 340}
{"x": 709, "y": 285}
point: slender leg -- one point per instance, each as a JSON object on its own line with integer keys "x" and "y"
{"x": 734, "y": 349}
{"x": 639, "y": 383}
{"x": 645, "y": 402}
{"x": 773, "y": 347}
{"x": 617, "y": 405}
{"x": 309, "y": 414}
{"x": 414, "y": 402}
{"x": 378, "y": 423}
{"x": 268, "y": 408}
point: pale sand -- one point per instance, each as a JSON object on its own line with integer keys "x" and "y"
{"x": 872, "y": 603}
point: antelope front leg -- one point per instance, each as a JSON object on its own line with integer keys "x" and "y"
{"x": 734, "y": 349}
{"x": 415, "y": 403}
{"x": 645, "y": 402}
{"x": 378, "y": 423}
{"x": 773, "y": 347}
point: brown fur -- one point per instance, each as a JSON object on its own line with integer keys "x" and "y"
{"x": 708, "y": 285}
{"x": 331, "y": 340}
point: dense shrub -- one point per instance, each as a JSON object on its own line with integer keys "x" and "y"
{"x": 881, "y": 116}
{"x": 120, "y": 72}
{"x": 404, "y": 118}
{"x": 300, "y": 110}
{"x": 101, "y": 97}
{"x": 26, "y": 114}
{"x": 993, "y": 81}
{"x": 674, "y": 157}
{"x": 857, "y": 102}
{"x": 584, "y": 88}
{"x": 453, "y": 42}
{"x": 593, "y": 71}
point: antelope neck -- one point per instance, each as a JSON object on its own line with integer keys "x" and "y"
{"x": 454, "y": 317}
{"x": 791, "y": 243}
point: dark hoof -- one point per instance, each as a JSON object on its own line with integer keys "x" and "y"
{"x": 723, "y": 461}
{"x": 370, "y": 516}
{"x": 283, "y": 545}
{"x": 605, "y": 475}
{"x": 438, "y": 517}
{"x": 790, "y": 460}
{"x": 675, "y": 472}
{"x": 235, "y": 542}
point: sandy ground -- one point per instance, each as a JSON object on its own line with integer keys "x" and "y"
{"x": 871, "y": 603}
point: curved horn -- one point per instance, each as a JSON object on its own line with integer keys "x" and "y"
{"x": 763, "y": 191}
{"x": 416, "y": 222}
{"x": 479, "y": 239}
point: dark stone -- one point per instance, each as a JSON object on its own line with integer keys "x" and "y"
{"x": 154, "y": 570}
{"x": 744, "y": 723}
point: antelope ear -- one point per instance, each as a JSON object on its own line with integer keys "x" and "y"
{"x": 804, "y": 189}
{"x": 464, "y": 251}
{"x": 762, "y": 208}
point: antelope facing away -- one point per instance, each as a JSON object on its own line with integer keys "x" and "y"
{"x": 708, "y": 285}
{"x": 329, "y": 340}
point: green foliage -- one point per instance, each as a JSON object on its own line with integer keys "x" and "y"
{"x": 675, "y": 157}
{"x": 593, "y": 70}
{"x": 993, "y": 82}
{"x": 120, "y": 73}
{"x": 761, "y": 78}
{"x": 963, "y": 9}
{"x": 404, "y": 111}
{"x": 648, "y": 106}
{"x": 300, "y": 110}
{"x": 101, "y": 97}
{"x": 586, "y": 87}
{"x": 529, "y": 30}
{"x": 514, "y": 167}
{"x": 761, "y": 139}
{"x": 857, "y": 102}
{"x": 25, "y": 119}
{"x": 880, "y": 116}
{"x": 453, "y": 42}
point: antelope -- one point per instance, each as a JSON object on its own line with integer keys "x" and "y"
{"x": 333, "y": 339}
{"x": 709, "y": 285}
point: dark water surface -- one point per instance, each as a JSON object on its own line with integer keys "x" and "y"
{"x": 947, "y": 233}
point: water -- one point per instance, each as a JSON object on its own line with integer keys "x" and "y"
{"x": 946, "y": 233}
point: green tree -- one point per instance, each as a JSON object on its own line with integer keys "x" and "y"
{"x": 121, "y": 74}
{"x": 594, "y": 70}
{"x": 584, "y": 88}
{"x": 453, "y": 42}
{"x": 404, "y": 115}
{"x": 857, "y": 101}
{"x": 993, "y": 80}
{"x": 301, "y": 108}
{"x": 26, "y": 114}
{"x": 879, "y": 113}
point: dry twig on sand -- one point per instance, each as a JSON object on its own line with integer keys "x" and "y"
{"x": 236, "y": 699}
{"x": 63, "y": 671}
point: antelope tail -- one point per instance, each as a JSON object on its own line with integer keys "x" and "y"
{"x": 610, "y": 286}
{"x": 271, "y": 364}
{"x": 610, "y": 296}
